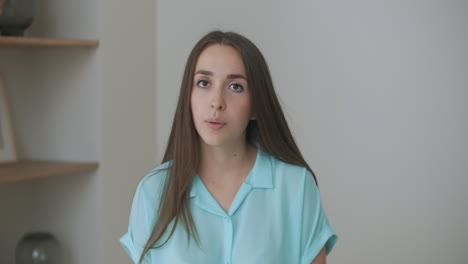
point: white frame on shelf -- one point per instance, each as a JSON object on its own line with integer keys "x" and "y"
{"x": 7, "y": 139}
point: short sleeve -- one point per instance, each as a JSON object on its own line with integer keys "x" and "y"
{"x": 316, "y": 230}
{"x": 142, "y": 217}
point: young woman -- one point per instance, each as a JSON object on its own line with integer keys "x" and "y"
{"x": 233, "y": 186}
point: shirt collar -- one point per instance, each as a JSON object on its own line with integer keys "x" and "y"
{"x": 260, "y": 177}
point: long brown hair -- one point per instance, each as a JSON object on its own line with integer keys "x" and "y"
{"x": 270, "y": 132}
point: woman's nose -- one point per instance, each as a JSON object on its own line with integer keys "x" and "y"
{"x": 218, "y": 105}
{"x": 218, "y": 102}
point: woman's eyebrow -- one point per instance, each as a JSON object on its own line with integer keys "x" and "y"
{"x": 230, "y": 76}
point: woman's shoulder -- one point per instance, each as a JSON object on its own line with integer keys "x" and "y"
{"x": 152, "y": 183}
{"x": 281, "y": 168}
{"x": 287, "y": 174}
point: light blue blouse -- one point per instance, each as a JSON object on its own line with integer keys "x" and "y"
{"x": 276, "y": 217}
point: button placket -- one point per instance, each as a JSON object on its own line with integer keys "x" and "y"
{"x": 228, "y": 235}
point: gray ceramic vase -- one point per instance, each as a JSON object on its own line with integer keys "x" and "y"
{"x": 16, "y": 16}
{"x": 38, "y": 248}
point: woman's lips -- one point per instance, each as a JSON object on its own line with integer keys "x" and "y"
{"x": 215, "y": 125}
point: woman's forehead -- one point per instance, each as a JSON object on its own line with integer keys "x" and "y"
{"x": 220, "y": 60}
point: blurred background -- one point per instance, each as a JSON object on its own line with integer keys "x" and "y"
{"x": 374, "y": 91}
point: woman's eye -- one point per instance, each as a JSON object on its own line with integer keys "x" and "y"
{"x": 236, "y": 87}
{"x": 202, "y": 83}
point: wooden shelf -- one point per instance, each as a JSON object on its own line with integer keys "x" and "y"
{"x": 29, "y": 169}
{"x": 46, "y": 42}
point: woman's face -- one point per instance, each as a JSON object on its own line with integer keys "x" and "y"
{"x": 221, "y": 99}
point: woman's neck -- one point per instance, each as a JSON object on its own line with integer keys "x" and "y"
{"x": 224, "y": 162}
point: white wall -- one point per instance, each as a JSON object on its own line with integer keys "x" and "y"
{"x": 127, "y": 150}
{"x": 375, "y": 94}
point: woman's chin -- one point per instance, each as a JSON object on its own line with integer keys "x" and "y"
{"x": 213, "y": 142}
